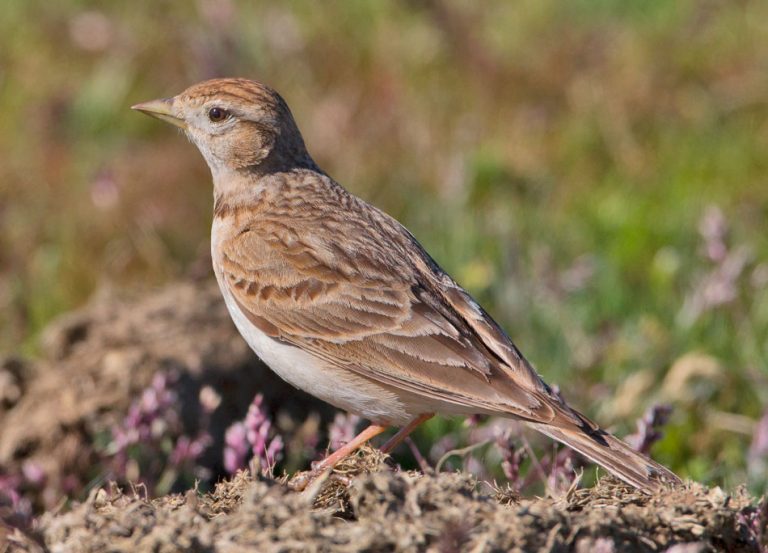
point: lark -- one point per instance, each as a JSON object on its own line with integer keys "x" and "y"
{"x": 341, "y": 301}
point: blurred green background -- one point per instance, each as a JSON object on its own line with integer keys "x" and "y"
{"x": 594, "y": 172}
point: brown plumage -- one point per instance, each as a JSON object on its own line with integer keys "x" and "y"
{"x": 342, "y": 301}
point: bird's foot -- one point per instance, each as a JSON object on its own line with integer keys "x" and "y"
{"x": 301, "y": 480}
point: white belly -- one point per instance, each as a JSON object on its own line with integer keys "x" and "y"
{"x": 338, "y": 387}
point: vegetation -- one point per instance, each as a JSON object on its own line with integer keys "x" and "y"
{"x": 594, "y": 172}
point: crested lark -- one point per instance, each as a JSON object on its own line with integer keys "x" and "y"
{"x": 341, "y": 301}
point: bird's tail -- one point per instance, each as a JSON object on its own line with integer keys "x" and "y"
{"x": 613, "y": 455}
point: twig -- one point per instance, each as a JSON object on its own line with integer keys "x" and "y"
{"x": 423, "y": 463}
{"x": 460, "y": 452}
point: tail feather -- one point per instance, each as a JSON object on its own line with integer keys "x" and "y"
{"x": 613, "y": 455}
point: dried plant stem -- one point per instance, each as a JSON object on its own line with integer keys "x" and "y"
{"x": 460, "y": 452}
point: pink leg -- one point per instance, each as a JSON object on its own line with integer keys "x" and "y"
{"x": 395, "y": 440}
{"x": 331, "y": 461}
{"x": 301, "y": 481}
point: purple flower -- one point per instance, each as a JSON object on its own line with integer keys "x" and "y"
{"x": 235, "y": 447}
{"x": 649, "y": 428}
{"x": 342, "y": 429}
{"x": 15, "y": 506}
{"x": 255, "y": 436}
{"x": 511, "y": 459}
{"x": 721, "y": 284}
{"x": 33, "y": 473}
{"x": 188, "y": 450}
{"x": 151, "y": 438}
{"x": 758, "y": 450}
{"x": 759, "y": 447}
{"x": 713, "y": 228}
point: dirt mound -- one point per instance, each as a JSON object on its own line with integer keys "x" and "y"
{"x": 398, "y": 511}
{"x": 98, "y": 359}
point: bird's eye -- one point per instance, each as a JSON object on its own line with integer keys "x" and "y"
{"x": 217, "y": 115}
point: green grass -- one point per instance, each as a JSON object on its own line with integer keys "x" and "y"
{"x": 555, "y": 157}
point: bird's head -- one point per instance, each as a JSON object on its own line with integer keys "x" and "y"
{"x": 237, "y": 124}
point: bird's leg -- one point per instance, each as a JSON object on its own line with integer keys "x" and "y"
{"x": 300, "y": 482}
{"x": 395, "y": 440}
{"x": 331, "y": 461}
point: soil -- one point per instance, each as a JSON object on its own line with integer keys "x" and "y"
{"x": 97, "y": 359}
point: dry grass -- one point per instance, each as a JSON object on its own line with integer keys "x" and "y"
{"x": 390, "y": 511}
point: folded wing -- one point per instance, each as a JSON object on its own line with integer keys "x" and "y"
{"x": 396, "y": 319}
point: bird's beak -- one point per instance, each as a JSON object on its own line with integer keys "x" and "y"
{"x": 161, "y": 109}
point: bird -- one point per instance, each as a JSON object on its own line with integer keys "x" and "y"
{"x": 340, "y": 299}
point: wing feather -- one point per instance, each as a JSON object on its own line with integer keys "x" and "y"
{"x": 315, "y": 267}
{"x": 396, "y": 320}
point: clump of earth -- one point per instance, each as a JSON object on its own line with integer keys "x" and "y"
{"x": 385, "y": 510}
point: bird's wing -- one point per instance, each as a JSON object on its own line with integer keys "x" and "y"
{"x": 367, "y": 298}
